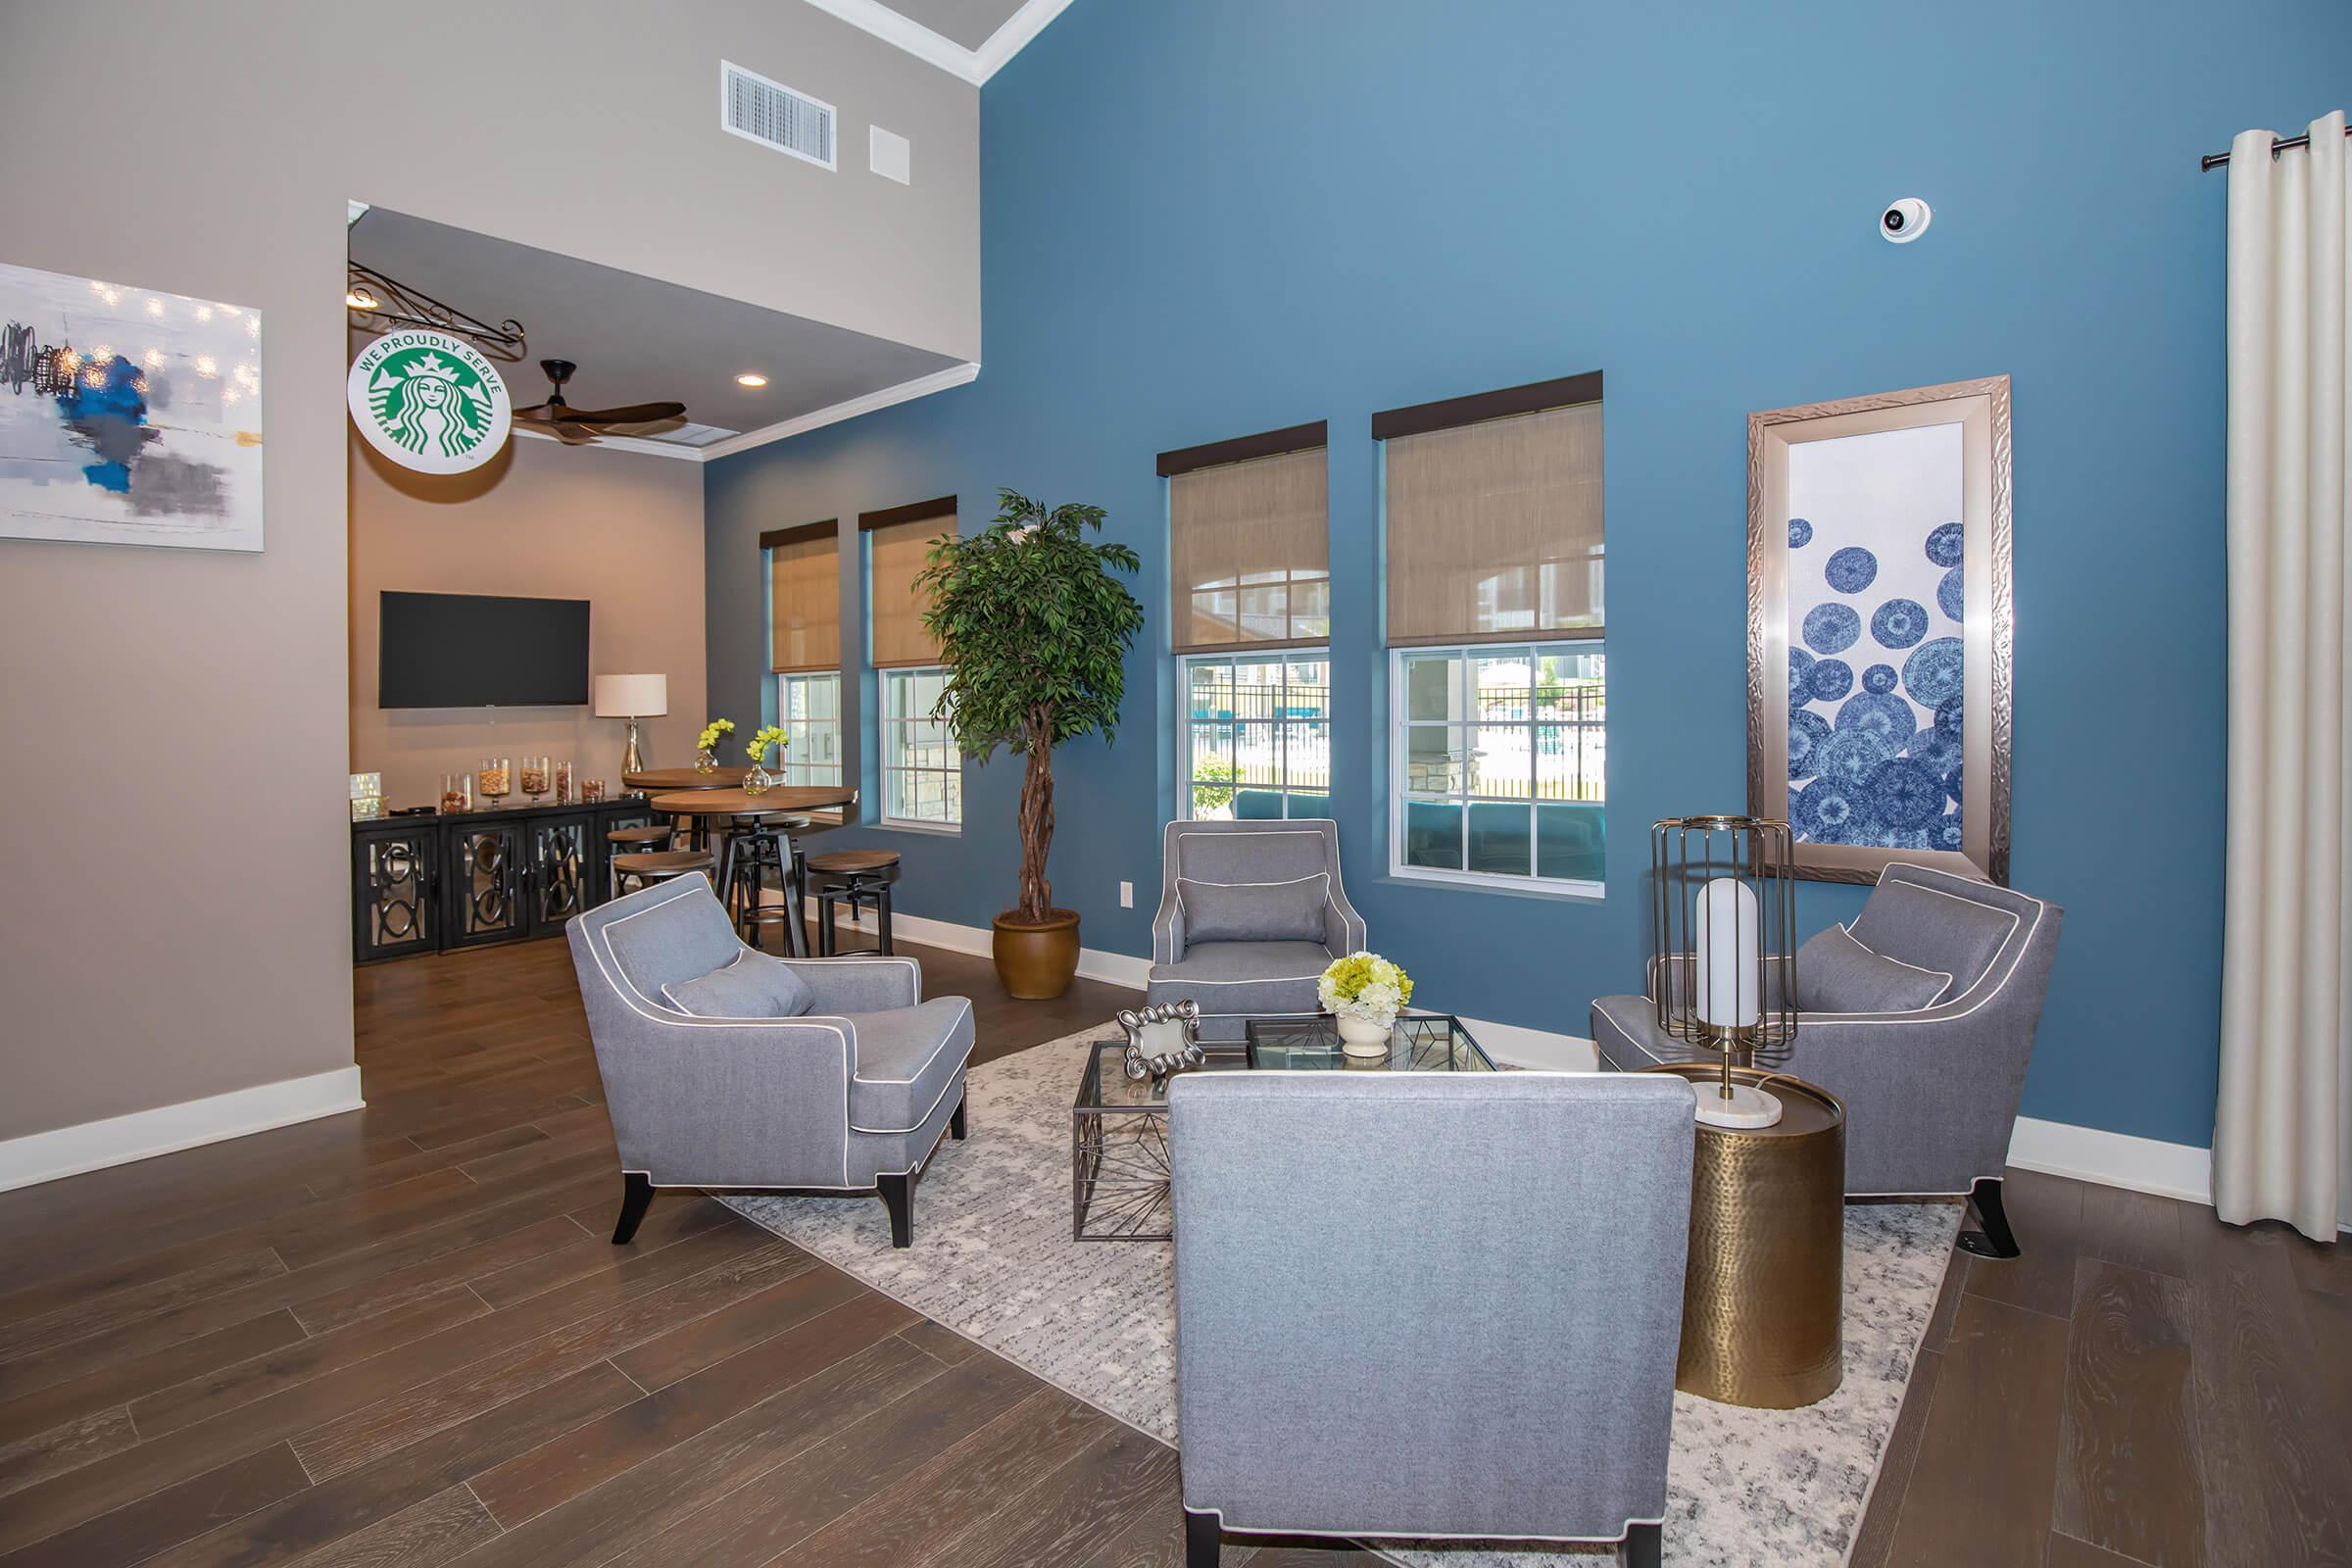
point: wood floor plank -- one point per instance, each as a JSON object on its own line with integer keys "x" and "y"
{"x": 65, "y": 1447}
{"x": 599, "y": 1525}
{"x": 139, "y": 1529}
{"x": 917, "y": 1517}
{"x": 181, "y": 1323}
{"x": 443, "y": 1526}
{"x": 2279, "y": 1482}
{"x": 726, "y": 1334}
{"x": 760, "y": 1523}
{"x": 2137, "y": 1230}
{"x": 1991, "y": 1432}
{"x": 216, "y": 1393}
{"x": 1101, "y": 1491}
{"x": 2046, "y": 1212}
{"x": 2068, "y": 1552}
{"x": 1874, "y": 1536}
{"x": 78, "y": 1316}
{"x": 364, "y": 1298}
{"x": 2129, "y": 1478}
{"x": 338, "y": 1508}
{"x": 285, "y": 1412}
{"x": 531, "y": 1484}
{"x": 586, "y": 1253}
{"x": 354, "y": 1438}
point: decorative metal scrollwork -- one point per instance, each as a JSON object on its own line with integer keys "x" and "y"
{"x": 395, "y": 891}
{"x": 557, "y": 852}
{"x": 1158, "y": 1067}
{"x": 489, "y": 901}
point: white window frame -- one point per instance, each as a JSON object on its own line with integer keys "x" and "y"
{"x": 1184, "y": 717}
{"x": 799, "y": 772}
{"x": 884, "y": 718}
{"x": 1400, "y": 755}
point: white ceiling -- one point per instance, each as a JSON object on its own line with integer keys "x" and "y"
{"x": 637, "y": 339}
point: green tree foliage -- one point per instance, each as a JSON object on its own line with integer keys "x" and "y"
{"x": 1035, "y": 631}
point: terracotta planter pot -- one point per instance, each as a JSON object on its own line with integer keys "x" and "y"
{"x": 1036, "y": 961}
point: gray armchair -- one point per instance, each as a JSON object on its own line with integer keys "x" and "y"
{"x": 1930, "y": 1094}
{"x": 1250, "y": 914}
{"x": 849, "y": 1097}
{"x": 1436, "y": 1305}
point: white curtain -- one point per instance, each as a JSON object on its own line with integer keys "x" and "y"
{"x": 2281, "y": 1147}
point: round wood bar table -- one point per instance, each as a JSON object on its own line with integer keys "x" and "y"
{"x": 779, "y": 800}
{"x": 684, "y": 778}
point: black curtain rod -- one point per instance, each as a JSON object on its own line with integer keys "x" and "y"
{"x": 2214, "y": 161}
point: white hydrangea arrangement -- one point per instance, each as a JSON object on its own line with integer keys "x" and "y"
{"x": 1364, "y": 985}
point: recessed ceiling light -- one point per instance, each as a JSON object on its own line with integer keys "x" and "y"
{"x": 359, "y": 299}
{"x": 751, "y": 378}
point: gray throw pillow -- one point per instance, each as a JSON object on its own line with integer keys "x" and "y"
{"x": 1255, "y": 911}
{"x": 1836, "y": 974}
{"x": 1934, "y": 930}
{"x": 754, "y": 986}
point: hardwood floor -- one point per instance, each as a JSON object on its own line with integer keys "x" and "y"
{"x": 403, "y": 1337}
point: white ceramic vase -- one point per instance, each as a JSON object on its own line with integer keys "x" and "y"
{"x": 1365, "y": 1037}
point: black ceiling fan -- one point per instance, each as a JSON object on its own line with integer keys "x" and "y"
{"x": 575, "y": 426}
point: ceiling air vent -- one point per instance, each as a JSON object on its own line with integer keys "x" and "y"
{"x": 774, "y": 115}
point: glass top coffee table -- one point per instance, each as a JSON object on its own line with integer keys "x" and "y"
{"x": 1119, "y": 1126}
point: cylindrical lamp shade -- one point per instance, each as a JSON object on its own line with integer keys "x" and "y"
{"x": 632, "y": 696}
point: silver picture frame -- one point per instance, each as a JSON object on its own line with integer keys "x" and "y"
{"x": 1947, "y": 457}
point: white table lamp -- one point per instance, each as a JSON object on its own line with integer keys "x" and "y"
{"x": 632, "y": 697}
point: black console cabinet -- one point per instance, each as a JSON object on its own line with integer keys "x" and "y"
{"x": 430, "y": 884}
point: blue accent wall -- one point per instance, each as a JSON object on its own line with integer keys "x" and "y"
{"x": 1227, "y": 215}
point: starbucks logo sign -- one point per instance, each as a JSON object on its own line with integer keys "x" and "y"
{"x": 429, "y": 401}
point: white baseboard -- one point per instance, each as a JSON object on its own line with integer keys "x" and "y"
{"x": 143, "y": 1134}
{"x": 2113, "y": 1159}
{"x": 1112, "y": 968}
{"x": 2057, "y": 1148}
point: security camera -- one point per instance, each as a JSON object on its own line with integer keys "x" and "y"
{"x": 1905, "y": 221}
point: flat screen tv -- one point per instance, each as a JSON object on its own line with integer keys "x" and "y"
{"x": 482, "y": 651}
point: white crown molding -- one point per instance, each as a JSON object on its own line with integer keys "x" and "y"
{"x": 1012, "y": 38}
{"x": 905, "y": 392}
{"x": 974, "y": 66}
{"x": 167, "y": 1129}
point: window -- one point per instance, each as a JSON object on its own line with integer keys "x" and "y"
{"x": 1249, "y": 542}
{"x": 809, "y": 707}
{"x": 1500, "y": 762}
{"x": 803, "y": 598}
{"x": 1493, "y": 515}
{"x": 922, "y": 776}
{"x": 1499, "y": 734}
{"x": 1257, "y": 739}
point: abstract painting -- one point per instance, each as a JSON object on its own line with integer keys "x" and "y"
{"x": 127, "y": 415}
{"x": 1878, "y": 601}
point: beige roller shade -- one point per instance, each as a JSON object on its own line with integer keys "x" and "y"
{"x": 1249, "y": 548}
{"x": 1495, "y": 529}
{"x": 804, "y": 604}
{"x": 900, "y": 551}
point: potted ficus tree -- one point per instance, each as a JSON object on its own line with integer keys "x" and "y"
{"x": 1034, "y": 629}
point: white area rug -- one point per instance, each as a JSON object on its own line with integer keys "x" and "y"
{"x": 993, "y": 1259}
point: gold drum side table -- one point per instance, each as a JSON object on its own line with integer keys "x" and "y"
{"x": 1763, "y": 1295}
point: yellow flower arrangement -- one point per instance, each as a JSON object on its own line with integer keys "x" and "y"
{"x": 716, "y": 730}
{"x": 1365, "y": 984}
{"x": 758, "y": 744}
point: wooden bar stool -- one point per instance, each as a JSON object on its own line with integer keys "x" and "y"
{"x": 754, "y": 847}
{"x": 639, "y": 840}
{"x": 857, "y": 877}
{"x": 648, "y": 866}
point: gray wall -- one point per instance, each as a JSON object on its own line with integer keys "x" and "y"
{"x": 172, "y": 827}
